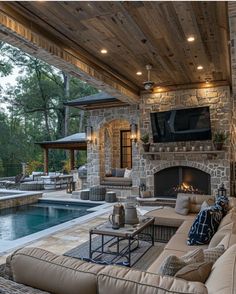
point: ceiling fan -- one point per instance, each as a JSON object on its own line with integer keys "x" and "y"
{"x": 149, "y": 84}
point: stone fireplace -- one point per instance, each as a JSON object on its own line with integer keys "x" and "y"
{"x": 181, "y": 179}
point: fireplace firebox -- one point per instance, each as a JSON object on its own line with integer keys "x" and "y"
{"x": 181, "y": 179}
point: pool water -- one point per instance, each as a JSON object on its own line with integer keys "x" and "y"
{"x": 24, "y": 220}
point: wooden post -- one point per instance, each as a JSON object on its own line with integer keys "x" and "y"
{"x": 45, "y": 160}
{"x": 72, "y": 159}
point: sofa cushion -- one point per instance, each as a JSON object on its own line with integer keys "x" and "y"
{"x": 168, "y": 217}
{"x": 120, "y": 172}
{"x": 118, "y": 280}
{"x": 179, "y": 243}
{"x": 113, "y": 172}
{"x": 223, "y": 274}
{"x": 212, "y": 254}
{"x": 229, "y": 218}
{"x": 182, "y": 205}
{"x": 228, "y": 240}
{"x": 116, "y": 181}
{"x": 46, "y": 271}
{"x": 185, "y": 227}
{"x": 171, "y": 265}
{"x": 220, "y": 234}
{"x": 197, "y": 272}
{"x": 196, "y": 201}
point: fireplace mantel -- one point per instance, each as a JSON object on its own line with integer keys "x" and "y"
{"x": 211, "y": 154}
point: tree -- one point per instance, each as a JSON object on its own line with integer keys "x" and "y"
{"x": 36, "y": 110}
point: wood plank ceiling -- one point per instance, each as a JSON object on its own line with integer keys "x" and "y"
{"x": 137, "y": 33}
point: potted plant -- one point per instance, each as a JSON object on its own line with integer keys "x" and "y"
{"x": 219, "y": 140}
{"x": 145, "y": 140}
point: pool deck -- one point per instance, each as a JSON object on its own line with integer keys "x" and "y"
{"x": 71, "y": 234}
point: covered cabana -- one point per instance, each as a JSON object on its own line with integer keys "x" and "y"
{"x": 73, "y": 142}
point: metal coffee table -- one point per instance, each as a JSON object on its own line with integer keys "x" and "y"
{"x": 129, "y": 233}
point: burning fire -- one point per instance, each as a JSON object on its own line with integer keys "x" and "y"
{"x": 185, "y": 188}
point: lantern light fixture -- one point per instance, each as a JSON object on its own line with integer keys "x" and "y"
{"x": 134, "y": 132}
{"x": 222, "y": 191}
{"x": 89, "y": 134}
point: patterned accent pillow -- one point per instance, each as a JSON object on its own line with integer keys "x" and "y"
{"x": 193, "y": 256}
{"x": 196, "y": 272}
{"x": 204, "y": 226}
{"x": 120, "y": 172}
{"x": 212, "y": 254}
{"x": 171, "y": 265}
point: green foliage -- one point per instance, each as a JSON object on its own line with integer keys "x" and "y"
{"x": 145, "y": 138}
{"x": 34, "y": 109}
{"x": 220, "y": 137}
{"x": 34, "y": 165}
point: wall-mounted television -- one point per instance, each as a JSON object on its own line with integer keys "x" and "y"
{"x": 189, "y": 124}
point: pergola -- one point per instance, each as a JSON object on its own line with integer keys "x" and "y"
{"x": 74, "y": 142}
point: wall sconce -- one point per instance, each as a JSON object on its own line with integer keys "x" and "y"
{"x": 134, "y": 132}
{"x": 89, "y": 134}
{"x": 222, "y": 191}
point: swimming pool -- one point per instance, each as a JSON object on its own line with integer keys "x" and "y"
{"x": 21, "y": 221}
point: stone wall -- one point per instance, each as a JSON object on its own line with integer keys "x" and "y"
{"x": 218, "y": 166}
{"x": 98, "y": 163}
{"x": 232, "y": 25}
{"x": 145, "y": 166}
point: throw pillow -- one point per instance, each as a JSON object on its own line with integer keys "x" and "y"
{"x": 108, "y": 175}
{"x": 127, "y": 173}
{"x": 197, "y": 272}
{"x": 193, "y": 256}
{"x": 113, "y": 172}
{"x": 207, "y": 203}
{"x": 171, "y": 265}
{"x": 120, "y": 172}
{"x": 212, "y": 254}
{"x": 182, "y": 205}
{"x": 204, "y": 226}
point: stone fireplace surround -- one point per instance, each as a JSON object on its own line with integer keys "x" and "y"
{"x": 217, "y": 165}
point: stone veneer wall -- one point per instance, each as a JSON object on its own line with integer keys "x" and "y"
{"x": 219, "y": 101}
{"x": 145, "y": 166}
{"x": 232, "y": 25}
{"x": 100, "y": 119}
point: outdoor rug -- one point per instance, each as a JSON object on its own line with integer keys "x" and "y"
{"x": 82, "y": 252}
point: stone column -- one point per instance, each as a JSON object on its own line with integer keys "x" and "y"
{"x": 45, "y": 150}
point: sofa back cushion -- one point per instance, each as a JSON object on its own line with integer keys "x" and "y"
{"x": 195, "y": 201}
{"x": 220, "y": 234}
{"x": 222, "y": 278}
{"x": 229, "y": 218}
{"x": 46, "y": 271}
{"x": 118, "y": 280}
{"x": 182, "y": 205}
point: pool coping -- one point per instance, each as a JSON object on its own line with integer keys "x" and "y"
{"x": 18, "y": 194}
{"x": 8, "y": 246}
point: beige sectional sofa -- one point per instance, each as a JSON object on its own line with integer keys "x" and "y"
{"x": 64, "y": 275}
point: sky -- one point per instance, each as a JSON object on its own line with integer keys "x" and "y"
{"x": 11, "y": 79}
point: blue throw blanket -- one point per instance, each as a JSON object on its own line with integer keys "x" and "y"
{"x": 207, "y": 222}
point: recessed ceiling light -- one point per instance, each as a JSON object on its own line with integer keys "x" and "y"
{"x": 190, "y": 39}
{"x": 139, "y": 73}
{"x": 200, "y": 67}
{"x": 103, "y": 51}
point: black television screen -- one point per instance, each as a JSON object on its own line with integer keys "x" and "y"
{"x": 189, "y": 124}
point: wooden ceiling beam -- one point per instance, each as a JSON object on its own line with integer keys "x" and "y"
{"x": 17, "y": 31}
